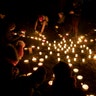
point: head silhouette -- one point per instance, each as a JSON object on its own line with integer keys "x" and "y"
{"x": 61, "y": 70}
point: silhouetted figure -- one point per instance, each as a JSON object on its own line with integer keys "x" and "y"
{"x": 75, "y": 13}
{"x": 41, "y": 23}
{"x": 20, "y": 44}
{"x": 38, "y": 78}
{"x": 64, "y": 84}
{"x": 61, "y": 18}
{"x": 8, "y": 69}
{"x": 60, "y": 23}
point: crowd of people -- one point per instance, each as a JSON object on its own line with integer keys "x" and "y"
{"x": 13, "y": 83}
{"x": 12, "y": 51}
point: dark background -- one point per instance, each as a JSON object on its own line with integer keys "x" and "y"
{"x": 29, "y": 8}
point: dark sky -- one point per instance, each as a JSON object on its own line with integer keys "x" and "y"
{"x": 26, "y": 6}
{"x": 49, "y": 7}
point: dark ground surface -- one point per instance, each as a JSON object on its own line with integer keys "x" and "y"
{"x": 87, "y": 69}
{"x": 24, "y": 15}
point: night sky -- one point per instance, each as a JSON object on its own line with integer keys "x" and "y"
{"x": 29, "y": 8}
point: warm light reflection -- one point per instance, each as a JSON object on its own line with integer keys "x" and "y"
{"x": 94, "y": 57}
{"x": 35, "y": 68}
{"x": 66, "y": 48}
{"x": 40, "y": 64}
{"x": 50, "y": 82}
{"x": 85, "y": 87}
{"x": 26, "y": 61}
{"x": 79, "y": 77}
{"x": 34, "y": 59}
{"x": 76, "y": 70}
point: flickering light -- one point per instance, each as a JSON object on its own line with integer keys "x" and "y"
{"x": 65, "y": 45}
{"x": 81, "y": 46}
{"x": 67, "y": 34}
{"x": 87, "y": 48}
{"x": 26, "y": 61}
{"x": 28, "y": 74}
{"x": 73, "y": 50}
{"x": 33, "y": 46}
{"x": 35, "y": 68}
{"x": 43, "y": 40}
{"x": 58, "y": 54}
{"x": 54, "y": 41}
{"x": 84, "y": 46}
{"x": 61, "y": 42}
{"x": 60, "y": 35}
{"x": 34, "y": 59}
{"x": 58, "y": 49}
{"x": 75, "y": 59}
{"x": 32, "y": 37}
{"x": 94, "y": 57}
{"x": 83, "y": 60}
{"x": 50, "y": 52}
{"x": 64, "y": 40}
{"x": 69, "y": 60}
{"x": 41, "y": 59}
{"x": 85, "y": 40}
{"x": 25, "y": 48}
{"x": 79, "y": 39}
{"x": 53, "y": 75}
{"x": 90, "y": 51}
{"x": 39, "y": 39}
{"x": 46, "y": 56}
{"x": 56, "y": 27}
{"x": 49, "y": 48}
{"x": 74, "y": 45}
{"x": 36, "y": 38}
{"x": 50, "y": 82}
{"x": 40, "y": 64}
{"x": 70, "y": 65}
{"x": 38, "y": 47}
{"x": 62, "y": 49}
{"x": 58, "y": 59}
{"x": 79, "y": 77}
{"x": 15, "y": 33}
{"x": 91, "y": 40}
{"x": 82, "y": 37}
{"x": 89, "y": 56}
{"x": 70, "y": 40}
{"x": 94, "y": 29}
{"x": 69, "y": 48}
{"x": 55, "y": 47}
{"x": 40, "y": 53}
{"x": 82, "y": 51}
{"x": 76, "y": 55}
{"x": 43, "y": 44}
{"x": 43, "y": 36}
{"x": 65, "y": 52}
{"x": 76, "y": 70}
{"x": 60, "y": 46}
{"x": 90, "y": 95}
{"x": 71, "y": 45}
{"x": 49, "y": 44}
{"x": 67, "y": 56}
{"x": 85, "y": 87}
{"x": 78, "y": 42}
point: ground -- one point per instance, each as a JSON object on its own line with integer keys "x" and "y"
{"x": 48, "y": 49}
